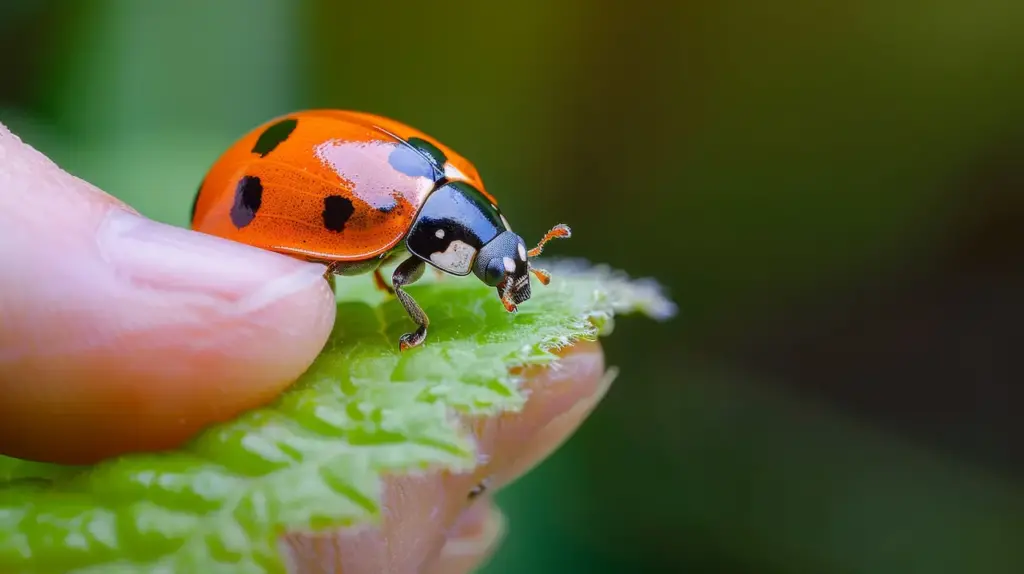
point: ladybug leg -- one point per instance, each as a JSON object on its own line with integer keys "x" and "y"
{"x": 332, "y": 268}
{"x": 409, "y": 272}
{"x": 378, "y": 280}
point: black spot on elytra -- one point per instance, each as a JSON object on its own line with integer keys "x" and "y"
{"x": 248, "y": 198}
{"x": 195, "y": 201}
{"x": 274, "y": 135}
{"x": 337, "y": 211}
{"x": 431, "y": 151}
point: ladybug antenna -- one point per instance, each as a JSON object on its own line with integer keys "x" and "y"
{"x": 541, "y": 274}
{"x": 560, "y": 231}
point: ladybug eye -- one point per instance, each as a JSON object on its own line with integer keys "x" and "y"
{"x": 495, "y": 271}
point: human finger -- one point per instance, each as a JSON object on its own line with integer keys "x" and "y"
{"x": 119, "y": 333}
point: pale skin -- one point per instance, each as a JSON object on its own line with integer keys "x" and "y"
{"x": 120, "y": 334}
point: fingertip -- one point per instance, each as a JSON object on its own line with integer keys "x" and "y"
{"x": 163, "y": 332}
{"x": 428, "y": 522}
{"x": 560, "y": 398}
{"x": 119, "y": 333}
{"x": 472, "y": 542}
{"x": 160, "y": 370}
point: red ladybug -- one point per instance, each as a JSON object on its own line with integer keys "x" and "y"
{"x": 354, "y": 190}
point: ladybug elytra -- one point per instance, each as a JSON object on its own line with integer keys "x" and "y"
{"x": 355, "y": 191}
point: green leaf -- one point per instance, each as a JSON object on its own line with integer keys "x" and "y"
{"x": 314, "y": 459}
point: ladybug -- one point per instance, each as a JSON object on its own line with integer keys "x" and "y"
{"x": 354, "y": 191}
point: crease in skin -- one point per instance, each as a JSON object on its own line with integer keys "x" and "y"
{"x": 121, "y": 249}
{"x": 202, "y": 331}
{"x": 277, "y": 289}
{"x": 197, "y": 325}
{"x": 478, "y": 535}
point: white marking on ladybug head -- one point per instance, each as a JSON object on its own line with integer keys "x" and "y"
{"x": 505, "y": 222}
{"x": 522, "y": 252}
{"x": 439, "y": 234}
{"x": 458, "y": 258}
{"x": 510, "y": 265}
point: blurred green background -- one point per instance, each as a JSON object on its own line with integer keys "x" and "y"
{"x": 833, "y": 192}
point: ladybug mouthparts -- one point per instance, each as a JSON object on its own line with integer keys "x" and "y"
{"x": 519, "y": 288}
{"x": 513, "y": 290}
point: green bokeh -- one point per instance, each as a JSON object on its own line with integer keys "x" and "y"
{"x": 748, "y": 155}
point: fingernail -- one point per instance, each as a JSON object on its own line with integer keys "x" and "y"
{"x": 151, "y": 254}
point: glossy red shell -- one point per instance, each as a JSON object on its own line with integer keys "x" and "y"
{"x": 330, "y": 156}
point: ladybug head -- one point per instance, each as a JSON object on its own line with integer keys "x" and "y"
{"x": 504, "y": 263}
